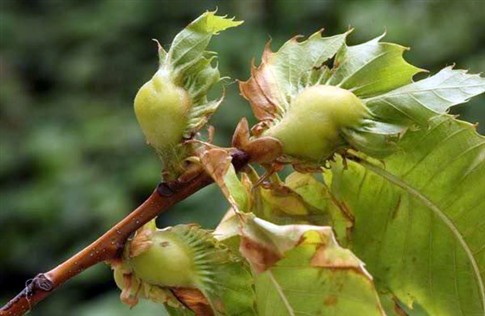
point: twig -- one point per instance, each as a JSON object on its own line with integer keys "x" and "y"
{"x": 110, "y": 245}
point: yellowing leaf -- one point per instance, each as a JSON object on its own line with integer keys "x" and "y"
{"x": 301, "y": 269}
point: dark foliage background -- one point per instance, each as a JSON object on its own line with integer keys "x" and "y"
{"x": 72, "y": 159}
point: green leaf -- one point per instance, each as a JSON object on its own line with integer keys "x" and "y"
{"x": 377, "y": 139}
{"x": 419, "y": 218}
{"x": 301, "y": 270}
{"x": 232, "y": 292}
{"x": 372, "y": 68}
{"x": 317, "y": 194}
{"x": 189, "y": 45}
{"x": 190, "y": 65}
{"x": 281, "y": 75}
{"x": 420, "y": 100}
{"x": 291, "y": 263}
{"x": 300, "y": 199}
{"x": 292, "y": 64}
{"x": 280, "y": 204}
{"x": 374, "y": 71}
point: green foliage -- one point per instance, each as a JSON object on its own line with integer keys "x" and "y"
{"x": 71, "y": 153}
{"x": 316, "y": 276}
{"x": 417, "y": 218}
{"x": 372, "y": 68}
{"x": 373, "y": 102}
{"x": 415, "y": 223}
{"x": 413, "y": 216}
{"x": 419, "y": 101}
{"x": 189, "y": 65}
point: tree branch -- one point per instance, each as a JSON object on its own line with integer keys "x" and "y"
{"x": 110, "y": 245}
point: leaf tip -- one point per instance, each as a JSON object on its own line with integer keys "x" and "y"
{"x": 162, "y": 53}
{"x": 212, "y": 23}
{"x": 384, "y": 33}
{"x": 317, "y": 33}
{"x": 267, "y": 52}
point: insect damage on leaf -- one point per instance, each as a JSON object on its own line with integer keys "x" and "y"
{"x": 264, "y": 243}
{"x": 293, "y": 263}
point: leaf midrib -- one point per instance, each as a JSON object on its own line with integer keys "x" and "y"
{"x": 406, "y": 92}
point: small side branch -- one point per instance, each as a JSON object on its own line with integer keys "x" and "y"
{"x": 110, "y": 245}
{"x": 107, "y": 247}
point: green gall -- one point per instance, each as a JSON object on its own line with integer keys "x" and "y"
{"x": 320, "y": 97}
{"x": 311, "y": 128}
{"x": 174, "y": 106}
{"x": 161, "y": 109}
{"x": 163, "y": 264}
{"x": 167, "y": 261}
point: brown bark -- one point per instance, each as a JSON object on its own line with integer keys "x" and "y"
{"x": 109, "y": 246}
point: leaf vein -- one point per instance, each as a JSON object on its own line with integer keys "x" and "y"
{"x": 281, "y": 294}
{"x": 437, "y": 211}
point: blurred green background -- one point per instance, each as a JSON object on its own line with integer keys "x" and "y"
{"x": 72, "y": 159}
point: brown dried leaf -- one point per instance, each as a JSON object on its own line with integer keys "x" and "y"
{"x": 264, "y": 150}
{"x": 129, "y": 295}
{"x": 259, "y": 255}
{"x": 194, "y": 300}
{"x": 241, "y": 134}
{"x": 261, "y": 150}
{"x": 141, "y": 242}
{"x": 260, "y": 89}
{"x": 216, "y": 162}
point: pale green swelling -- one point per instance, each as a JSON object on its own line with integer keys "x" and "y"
{"x": 161, "y": 109}
{"x": 168, "y": 262}
{"x": 311, "y": 127}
